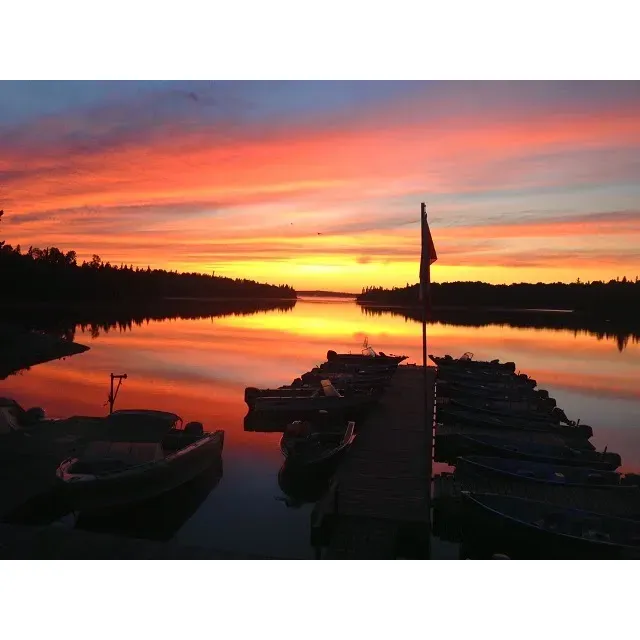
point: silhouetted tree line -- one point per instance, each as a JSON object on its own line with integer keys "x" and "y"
{"x": 619, "y": 329}
{"x": 615, "y": 297}
{"x": 53, "y": 275}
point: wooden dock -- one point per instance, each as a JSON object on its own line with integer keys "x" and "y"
{"x": 378, "y": 505}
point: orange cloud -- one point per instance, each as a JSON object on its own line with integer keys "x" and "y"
{"x": 227, "y": 201}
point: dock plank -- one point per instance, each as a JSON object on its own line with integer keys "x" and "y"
{"x": 381, "y": 493}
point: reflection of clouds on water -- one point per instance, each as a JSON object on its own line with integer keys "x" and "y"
{"x": 200, "y": 367}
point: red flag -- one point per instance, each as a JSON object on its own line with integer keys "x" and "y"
{"x": 427, "y": 257}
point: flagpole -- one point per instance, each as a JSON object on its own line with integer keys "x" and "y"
{"x": 424, "y": 300}
{"x": 425, "y": 392}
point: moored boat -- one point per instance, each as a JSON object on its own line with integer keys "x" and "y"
{"x": 535, "y": 529}
{"x": 538, "y": 472}
{"x": 467, "y": 361}
{"x": 328, "y": 399}
{"x": 523, "y": 410}
{"x": 367, "y": 357}
{"x": 351, "y": 378}
{"x": 315, "y": 450}
{"x": 457, "y": 414}
{"x": 251, "y": 394}
{"x": 551, "y": 454}
{"x": 490, "y": 379}
{"x": 139, "y": 454}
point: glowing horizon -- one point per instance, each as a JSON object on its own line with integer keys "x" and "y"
{"x": 318, "y": 184}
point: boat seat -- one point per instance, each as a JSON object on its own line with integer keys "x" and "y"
{"x": 176, "y": 440}
{"x": 98, "y": 466}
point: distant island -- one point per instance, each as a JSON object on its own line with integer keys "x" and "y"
{"x": 53, "y": 276}
{"x": 326, "y": 294}
{"x": 613, "y": 298}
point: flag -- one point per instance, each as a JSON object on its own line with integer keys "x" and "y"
{"x": 427, "y": 257}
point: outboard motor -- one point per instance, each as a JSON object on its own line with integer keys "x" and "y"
{"x": 250, "y": 394}
{"x": 33, "y": 415}
{"x": 614, "y": 457}
{"x": 585, "y": 430}
{"x": 558, "y": 414}
{"x": 331, "y": 355}
{"x": 194, "y": 428}
{"x": 631, "y": 479}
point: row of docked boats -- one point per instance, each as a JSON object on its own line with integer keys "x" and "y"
{"x": 529, "y": 481}
{"x": 318, "y": 412}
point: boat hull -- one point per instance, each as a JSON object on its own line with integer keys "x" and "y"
{"x": 309, "y": 406}
{"x": 468, "y": 445}
{"x": 536, "y": 472}
{"x": 481, "y": 419}
{"x": 487, "y": 530}
{"x": 143, "y": 482}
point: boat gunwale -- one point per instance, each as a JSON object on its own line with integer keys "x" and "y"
{"x": 74, "y": 478}
{"x": 473, "y": 496}
{"x": 474, "y": 463}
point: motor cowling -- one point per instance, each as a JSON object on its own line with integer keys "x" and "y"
{"x": 33, "y": 415}
{"x": 250, "y": 394}
{"x": 194, "y": 428}
{"x": 558, "y": 414}
{"x": 585, "y": 430}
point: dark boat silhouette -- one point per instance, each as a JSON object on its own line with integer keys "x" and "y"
{"x": 533, "y": 529}
{"x": 550, "y": 454}
{"x": 453, "y": 414}
{"x": 538, "y": 472}
{"x": 329, "y": 400}
{"x": 368, "y": 357}
{"x": 301, "y": 487}
{"x": 315, "y": 450}
{"x": 138, "y": 455}
{"x": 251, "y": 394}
{"x": 158, "y": 518}
{"x": 467, "y": 361}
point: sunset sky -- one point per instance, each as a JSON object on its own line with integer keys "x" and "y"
{"x": 319, "y": 184}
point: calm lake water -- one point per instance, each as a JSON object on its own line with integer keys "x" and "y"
{"x": 200, "y": 368}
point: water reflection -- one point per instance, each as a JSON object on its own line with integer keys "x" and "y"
{"x": 159, "y": 518}
{"x": 199, "y": 367}
{"x": 619, "y": 330}
{"x": 300, "y": 488}
{"x": 67, "y": 322}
